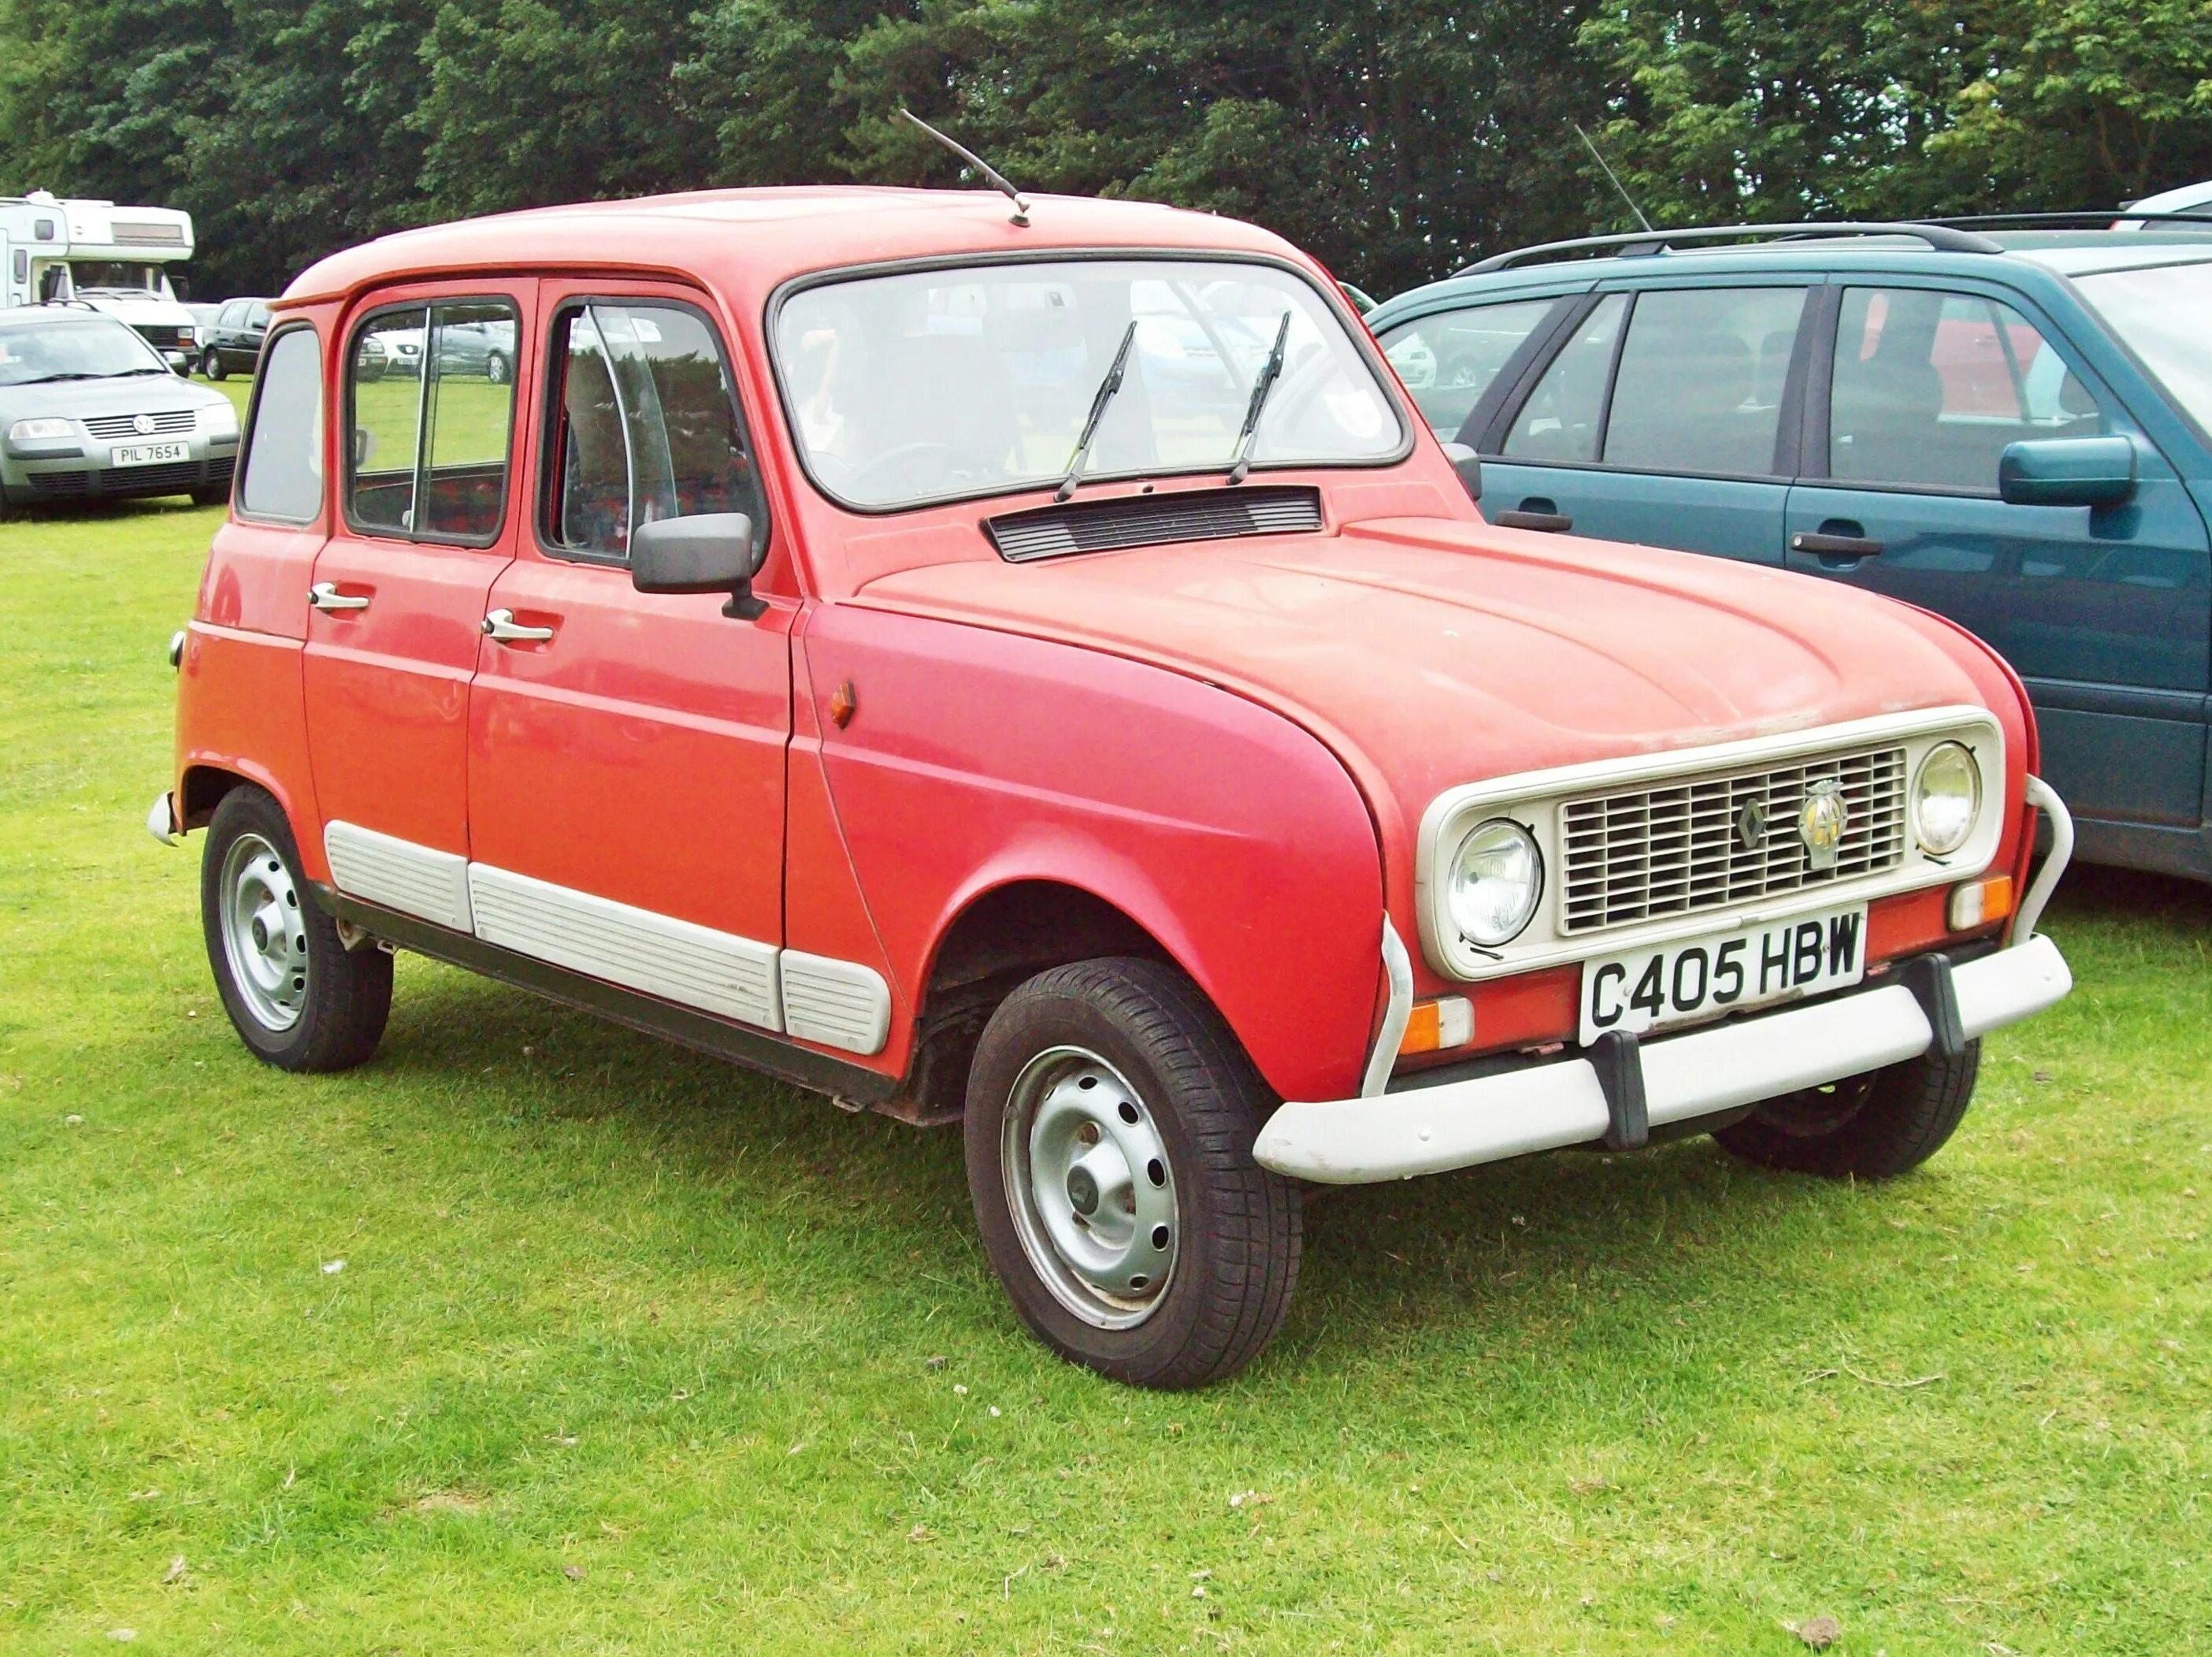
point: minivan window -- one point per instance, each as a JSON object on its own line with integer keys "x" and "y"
{"x": 282, "y": 478}
{"x": 430, "y": 405}
{"x": 1561, "y": 419}
{"x": 1929, "y": 387}
{"x": 1699, "y": 385}
{"x": 1448, "y": 360}
{"x": 644, "y": 425}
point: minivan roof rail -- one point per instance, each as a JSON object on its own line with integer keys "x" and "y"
{"x": 2101, "y": 218}
{"x": 1637, "y": 244}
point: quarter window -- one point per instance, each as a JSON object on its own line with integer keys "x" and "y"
{"x": 1562, "y": 416}
{"x": 283, "y": 458}
{"x": 431, "y": 405}
{"x": 1929, "y": 387}
{"x": 645, "y": 425}
{"x": 1449, "y": 361}
{"x": 1699, "y": 385}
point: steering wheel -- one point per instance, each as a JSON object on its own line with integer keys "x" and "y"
{"x": 896, "y": 466}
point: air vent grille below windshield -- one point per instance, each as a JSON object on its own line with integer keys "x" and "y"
{"x": 1197, "y": 515}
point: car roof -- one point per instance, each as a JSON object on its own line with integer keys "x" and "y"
{"x": 2064, "y": 252}
{"x": 788, "y": 231}
{"x": 55, "y": 313}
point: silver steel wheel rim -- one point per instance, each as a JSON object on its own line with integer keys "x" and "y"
{"x": 264, "y": 935}
{"x": 1091, "y": 1188}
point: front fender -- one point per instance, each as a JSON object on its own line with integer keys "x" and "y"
{"x": 974, "y": 758}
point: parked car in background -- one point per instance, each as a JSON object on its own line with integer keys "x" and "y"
{"x": 483, "y": 351}
{"x": 90, "y": 411}
{"x": 2188, "y": 199}
{"x": 234, "y": 344}
{"x": 844, "y": 663}
{"x": 2009, "y": 427}
{"x": 202, "y": 312}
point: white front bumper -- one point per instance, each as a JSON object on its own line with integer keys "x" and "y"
{"x": 1456, "y": 1124}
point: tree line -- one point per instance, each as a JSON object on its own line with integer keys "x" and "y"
{"x": 1395, "y": 138}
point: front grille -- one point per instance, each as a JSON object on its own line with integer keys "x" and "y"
{"x": 118, "y": 426}
{"x": 162, "y": 337}
{"x": 61, "y": 483}
{"x": 152, "y": 480}
{"x": 1197, "y": 515}
{"x": 1673, "y": 847}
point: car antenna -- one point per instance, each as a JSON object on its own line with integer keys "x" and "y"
{"x": 1610, "y": 177}
{"x": 998, "y": 180}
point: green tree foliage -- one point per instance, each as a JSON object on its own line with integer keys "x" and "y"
{"x": 1393, "y": 139}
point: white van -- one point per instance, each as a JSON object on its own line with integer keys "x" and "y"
{"x": 112, "y": 259}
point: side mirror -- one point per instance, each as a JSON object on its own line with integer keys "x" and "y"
{"x": 2068, "y": 471}
{"x": 712, "y": 552}
{"x": 1468, "y": 465}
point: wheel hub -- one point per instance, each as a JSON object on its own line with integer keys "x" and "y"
{"x": 264, "y": 935}
{"x": 1089, "y": 1187}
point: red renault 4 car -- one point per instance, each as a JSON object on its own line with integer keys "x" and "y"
{"x": 1037, "y": 668}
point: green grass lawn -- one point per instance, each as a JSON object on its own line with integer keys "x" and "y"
{"x": 535, "y": 1336}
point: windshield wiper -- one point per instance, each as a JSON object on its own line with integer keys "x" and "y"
{"x": 1099, "y": 400}
{"x": 122, "y": 374}
{"x": 1240, "y": 462}
{"x": 49, "y": 379}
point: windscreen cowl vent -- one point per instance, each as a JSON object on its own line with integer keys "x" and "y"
{"x": 1197, "y": 515}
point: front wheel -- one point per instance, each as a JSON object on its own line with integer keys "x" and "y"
{"x": 496, "y": 369}
{"x": 212, "y": 364}
{"x": 296, "y": 995}
{"x": 1109, "y": 1127}
{"x": 1873, "y": 1126}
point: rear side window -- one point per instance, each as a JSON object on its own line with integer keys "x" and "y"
{"x": 1449, "y": 361}
{"x": 643, "y": 424}
{"x": 1699, "y": 385}
{"x": 430, "y": 410}
{"x": 1929, "y": 387}
{"x": 283, "y": 457}
{"x": 1563, "y": 418}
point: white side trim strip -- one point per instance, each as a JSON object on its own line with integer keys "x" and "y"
{"x": 837, "y": 1003}
{"x": 637, "y": 948}
{"x": 400, "y": 874}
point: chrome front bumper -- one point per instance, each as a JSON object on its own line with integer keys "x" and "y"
{"x": 1618, "y": 1095}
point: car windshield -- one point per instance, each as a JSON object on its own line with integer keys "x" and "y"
{"x": 81, "y": 348}
{"x": 933, "y": 385}
{"x": 115, "y": 275}
{"x": 2164, "y": 315}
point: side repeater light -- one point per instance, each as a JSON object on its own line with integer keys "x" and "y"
{"x": 1439, "y": 1026}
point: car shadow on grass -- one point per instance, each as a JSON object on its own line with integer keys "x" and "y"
{"x": 2093, "y": 893}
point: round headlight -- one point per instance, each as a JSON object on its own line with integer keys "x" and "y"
{"x": 1947, "y": 798}
{"x": 1496, "y": 879}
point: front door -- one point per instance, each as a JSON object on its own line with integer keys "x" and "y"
{"x": 398, "y": 600}
{"x": 626, "y": 762}
{"x": 2105, "y": 612}
{"x": 1659, "y": 420}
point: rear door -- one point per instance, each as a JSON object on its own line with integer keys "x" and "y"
{"x": 2106, "y": 613}
{"x": 398, "y": 601}
{"x": 1659, "y": 419}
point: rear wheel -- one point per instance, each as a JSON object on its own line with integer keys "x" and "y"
{"x": 496, "y": 369}
{"x": 296, "y": 995}
{"x": 1109, "y": 1127}
{"x": 211, "y": 495}
{"x": 1873, "y": 1126}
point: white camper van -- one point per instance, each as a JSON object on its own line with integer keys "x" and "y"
{"x": 114, "y": 259}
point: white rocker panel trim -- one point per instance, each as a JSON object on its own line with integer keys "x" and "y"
{"x": 416, "y": 879}
{"x": 637, "y": 948}
{"x": 838, "y": 1003}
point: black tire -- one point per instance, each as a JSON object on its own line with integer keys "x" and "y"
{"x": 1236, "y": 1227}
{"x": 212, "y": 364}
{"x": 344, "y": 996}
{"x": 496, "y": 369}
{"x": 211, "y": 495}
{"x": 1873, "y": 1126}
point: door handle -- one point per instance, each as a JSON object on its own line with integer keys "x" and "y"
{"x": 1555, "y": 523}
{"x": 1835, "y": 546}
{"x": 502, "y": 625}
{"x": 324, "y": 595}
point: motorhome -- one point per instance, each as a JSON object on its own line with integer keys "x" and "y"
{"x": 112, "y": 259}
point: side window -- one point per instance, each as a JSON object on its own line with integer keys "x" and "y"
{"x": 257, "y": 316}
{"x": 1929, "y": 387}
{"x": 1699, "y": 387}
{"x": 228, "y": 317}
{"x": 644, "y": 425}
{"x": 1450, "y": 360}
{"x": 431, "y": 421}
{"x": 283, "y": 455}
{"x": 1560, "y": 420}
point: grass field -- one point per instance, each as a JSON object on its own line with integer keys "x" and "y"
{"x": 534, "y": 1336}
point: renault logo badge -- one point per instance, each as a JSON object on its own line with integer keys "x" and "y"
{"x": 1821, "y": 821}
{"x": 1751, "y": 824}
{"x": 142, "y": 424}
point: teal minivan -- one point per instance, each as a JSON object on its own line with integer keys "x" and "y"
{"x": 2011, "y": 427}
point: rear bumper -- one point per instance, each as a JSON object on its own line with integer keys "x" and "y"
{"x": 1456, "y": 1124}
